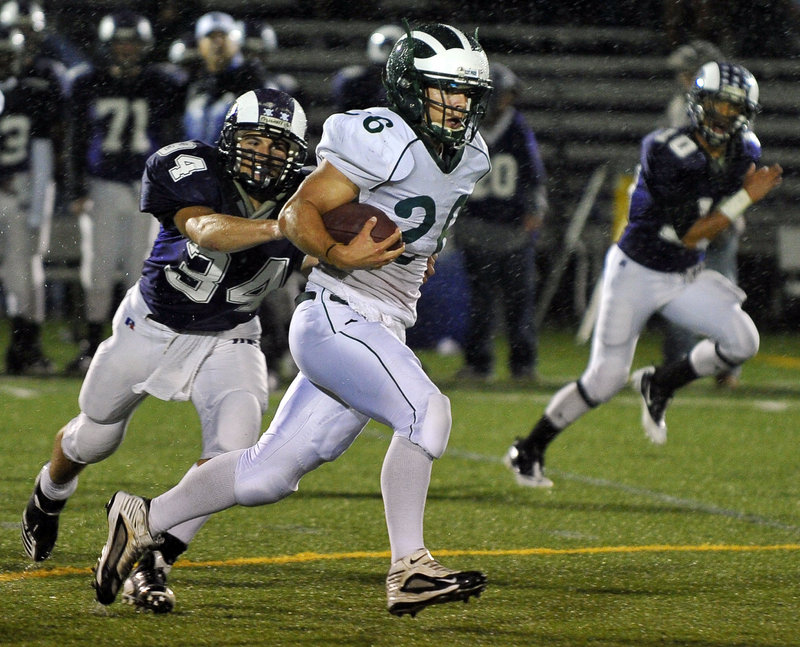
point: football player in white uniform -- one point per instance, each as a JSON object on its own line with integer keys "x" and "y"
{"x": 692, "y": 184}
{"x": 418, "y": 161}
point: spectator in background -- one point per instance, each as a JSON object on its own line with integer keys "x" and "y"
{"x": 360, "y": 86}
{"x": 722, "y": 252}
{"x": 224, "y": 74}
{"x": 496, "y": 233}
{"x": 30, "y": 138}
{"x": 260, "y": 44}
{"x": 172, "y": 20}
{"x": 123, "y": 110}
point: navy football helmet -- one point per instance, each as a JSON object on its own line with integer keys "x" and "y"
{"x": 23, "y": 14}
{"x": 125, "y": 38}
{"x": 441, "y": 57}
{"x": 270, "y": 113}
{"x": 723, "y": 101}
{"x": 381, "y": 42}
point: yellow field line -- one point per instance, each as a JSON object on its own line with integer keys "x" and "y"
{"x": 299, "y": 558}
{"x": 779, "y": 361}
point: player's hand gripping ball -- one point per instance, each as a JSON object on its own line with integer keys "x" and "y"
{"x": 346, "y": 221}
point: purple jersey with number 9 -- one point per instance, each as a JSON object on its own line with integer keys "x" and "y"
{"x": 188, "y": 287}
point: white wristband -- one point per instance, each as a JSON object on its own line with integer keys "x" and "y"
{"x": 734, "y": 206}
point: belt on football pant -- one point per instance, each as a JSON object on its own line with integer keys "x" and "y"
{"x": 310, "y": 296}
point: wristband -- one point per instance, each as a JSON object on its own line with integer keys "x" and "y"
{"x": 327, "y": 251}
{"x": 734, "y": 206}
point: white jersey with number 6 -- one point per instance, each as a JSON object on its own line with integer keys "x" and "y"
{"x": 391, "y": 165}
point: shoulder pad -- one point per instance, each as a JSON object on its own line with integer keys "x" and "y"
{"x": 368, "y": 146}
{"x": 751, "y": 143}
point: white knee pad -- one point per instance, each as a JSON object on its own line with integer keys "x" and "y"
{"x": 255, "y": 485}
{"x": 85, "y": 441}
{"x": 743, "y": 341}
{"x": 434, "y": 432}
{"x": 602, "y": 380}
{"x": 234, "y": 423}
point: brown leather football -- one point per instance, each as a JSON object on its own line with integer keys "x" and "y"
{"x": 344, "y": 222}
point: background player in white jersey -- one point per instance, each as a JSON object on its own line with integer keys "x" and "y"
{"x": 418, "y": 162}
{"x": 692, "y": 184}
{"x": 187, "y": 329}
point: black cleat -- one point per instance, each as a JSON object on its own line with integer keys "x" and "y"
{"x": 528, "y": 466}
{"x": 146, "y": 588}
{"x": 654, "y": 405}
{"x": 39, "y": 526}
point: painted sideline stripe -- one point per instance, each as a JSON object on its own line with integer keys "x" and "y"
{"x": 300, "y": 558}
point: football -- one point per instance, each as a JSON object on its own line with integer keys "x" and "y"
{"x": 345, "y": 221}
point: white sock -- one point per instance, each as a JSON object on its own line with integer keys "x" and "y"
{"x": 203, "y": 490}
{"x": 55, "y": 491}
{"x": 188, "y": 529}
{"x": 405, "y": 478}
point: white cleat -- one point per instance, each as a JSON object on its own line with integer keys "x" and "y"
{"x": 128, "y": 538}
{"x": 418, "y": 581}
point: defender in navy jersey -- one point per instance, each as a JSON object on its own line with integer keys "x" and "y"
{"x": 123, "y": 109}
{"x": 30, "y": 141}
{"x": 187, "y": 329}
{"x": 418, "y": 161}
{"x": 692, "y": 184}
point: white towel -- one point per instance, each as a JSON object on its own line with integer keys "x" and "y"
{"x": 174, "y": 376}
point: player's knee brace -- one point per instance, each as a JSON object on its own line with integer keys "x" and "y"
{"x": 86, "y": 441}
{"x": 434, "y": 432}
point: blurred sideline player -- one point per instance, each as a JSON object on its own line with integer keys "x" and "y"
{"x": 417, "y": 161}
{"x": 123, "y": 109}
{"x": 691, "y": 185}
{"x": 31, "y": 140}
{"x": 187, "y": 329}
{"x": 496, "y": 234}
{"x": 223, "y": 74}
{"x": 360, "y": 86}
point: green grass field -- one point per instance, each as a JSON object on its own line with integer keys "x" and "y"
{"x": 696, "y": 543}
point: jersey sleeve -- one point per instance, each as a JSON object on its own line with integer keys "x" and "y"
{"x": 367, "y": 146}
{"x": 660, "y": 167}
{"x": 180, "y": 175}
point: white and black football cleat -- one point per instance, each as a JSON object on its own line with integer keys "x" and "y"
{"x": 128, "y": 539}
{"x": 39, "y": 528}
{"x": 146, "y": 588}
{"x": 654, "y": 405}
{"x": 527, "y": 466}
{"x": 418, "y": 581}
